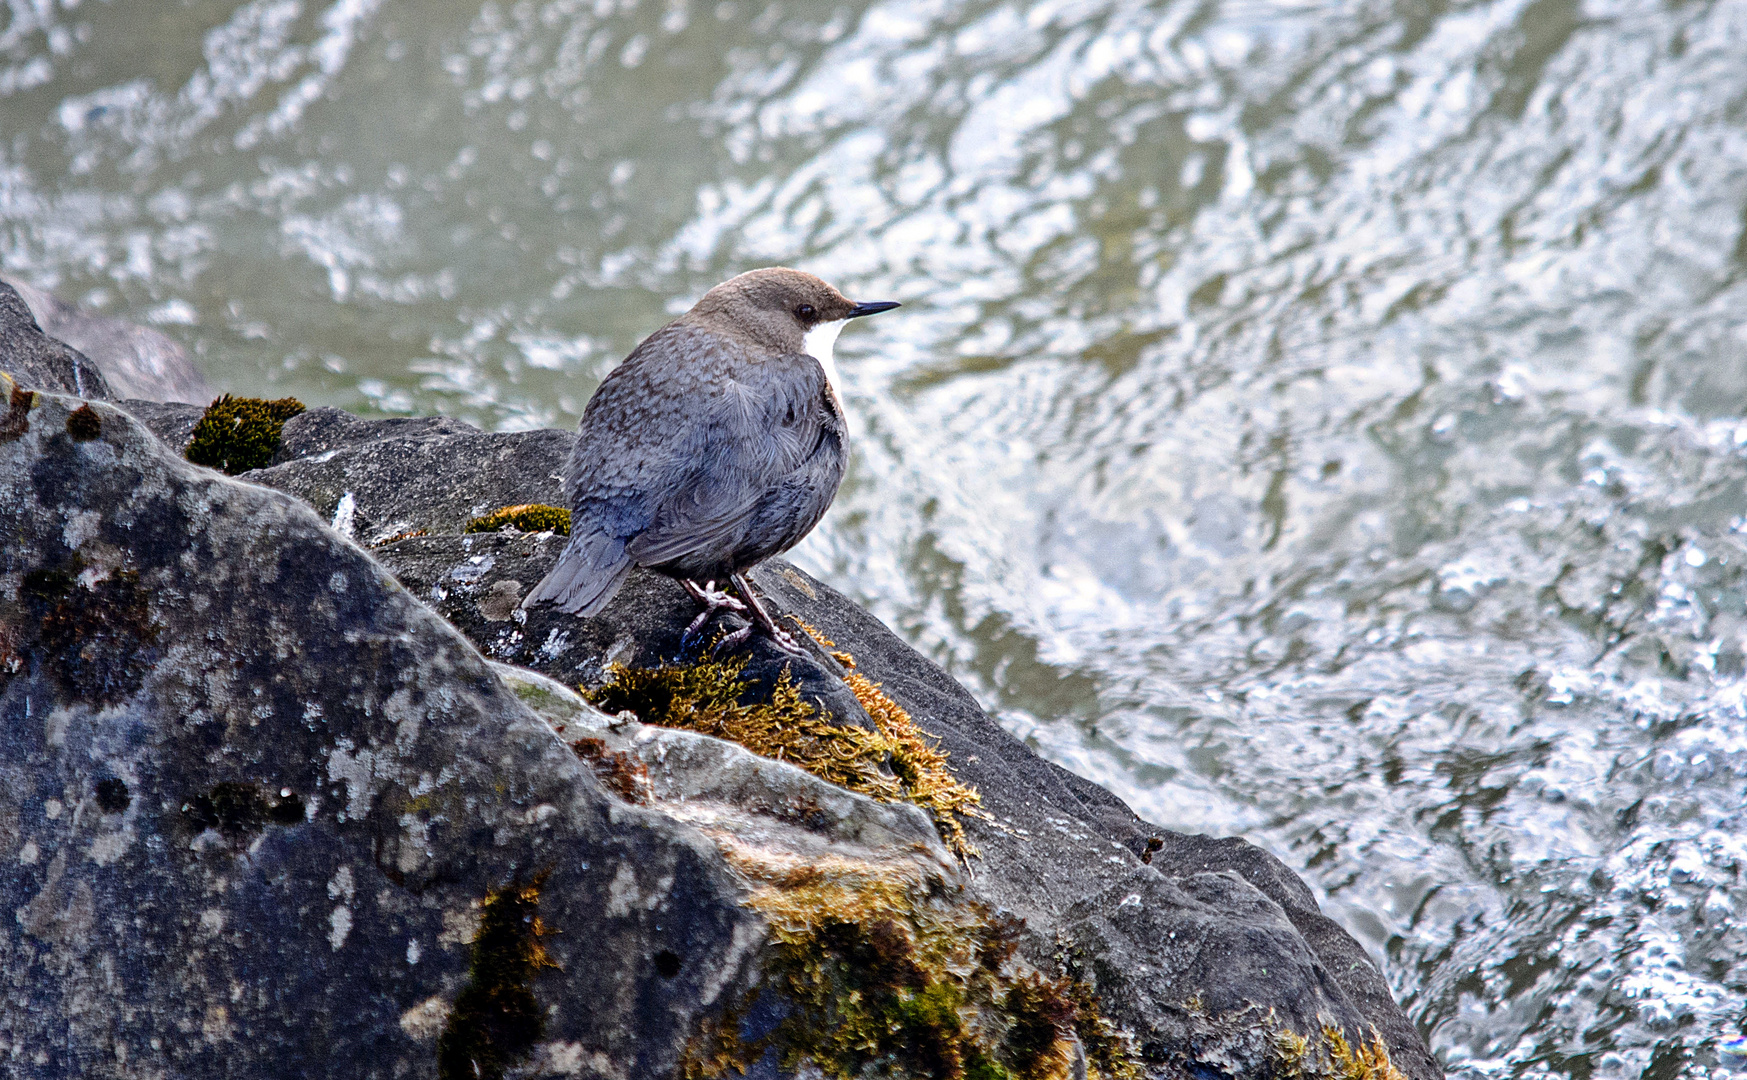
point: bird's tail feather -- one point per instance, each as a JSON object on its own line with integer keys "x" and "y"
{"x": 588, "y": 573}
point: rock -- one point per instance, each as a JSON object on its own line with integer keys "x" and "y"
{"x": 1063, "y": 852}
{"x": 382, "y": 478}
{"x": 40, "y": 362}
{"x": 1214, "y": 921}
{"x": 136, "y": 362}
{"x": 269, "y": 814}
{"x": 185, "y": 658}
{"x": 170, "y": 421}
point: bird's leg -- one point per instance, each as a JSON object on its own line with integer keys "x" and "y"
{"x": 715, "y": 602}
{"x": 761, "y": 618}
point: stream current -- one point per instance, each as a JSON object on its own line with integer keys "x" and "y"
{"x": 1316, "y": 421}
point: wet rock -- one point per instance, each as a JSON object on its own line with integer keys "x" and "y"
{"x": 231, "y": 736}
{"x": 253, "y": 795}
{"x": 1164, "y": 924}
{"x": 377, "y": 479}
{"x": 40, "y": 362}
{"x": 136, "y": 362}
{"x": 171, "y": 421}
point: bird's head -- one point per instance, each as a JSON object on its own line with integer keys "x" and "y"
{"x": 784, "y": 310}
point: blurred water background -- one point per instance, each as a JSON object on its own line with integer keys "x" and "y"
{"x": 1317, "y": 420}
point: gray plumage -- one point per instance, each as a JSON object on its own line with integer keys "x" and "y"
{"x": 718, "y": 443}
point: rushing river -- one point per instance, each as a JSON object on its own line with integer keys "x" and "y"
{"x": 1319, "y": 421}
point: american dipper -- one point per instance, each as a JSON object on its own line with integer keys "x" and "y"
{"x": 719, "y": 442}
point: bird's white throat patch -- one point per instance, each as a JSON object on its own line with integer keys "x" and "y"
{"x": 819, "y": 343}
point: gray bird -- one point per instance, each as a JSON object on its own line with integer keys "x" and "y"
{"x": 719, "y": 442}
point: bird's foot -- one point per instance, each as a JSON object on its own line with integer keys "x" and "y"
{"x": 761, "y": 620}
{"x": 782, "y": 639}
{"x": 729, "y": 642}
{"x": 715, "y": 602}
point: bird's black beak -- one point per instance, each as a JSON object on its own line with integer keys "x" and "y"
{"x": 874, "y": 308}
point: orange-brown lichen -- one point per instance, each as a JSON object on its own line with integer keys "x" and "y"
{"x": 404, "y": 534}
{"x": 623, "y": 774}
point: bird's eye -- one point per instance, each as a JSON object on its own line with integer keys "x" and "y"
{"x": 804, "y": 312}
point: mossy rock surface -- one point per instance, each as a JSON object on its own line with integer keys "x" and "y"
{"x": 239, "y": 434}
{"x": 906, "y": 979}
{"x": 1122, "y": 902}
{"x": 261, "y": 800}
{"x": 894, "y": 760}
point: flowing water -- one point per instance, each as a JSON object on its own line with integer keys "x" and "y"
{"x": 1319, "y": 420}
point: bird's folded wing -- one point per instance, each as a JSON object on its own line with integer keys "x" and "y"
{"x": 758, "y": 426}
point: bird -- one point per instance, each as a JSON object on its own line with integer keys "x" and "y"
{"x": 719, "y": 442}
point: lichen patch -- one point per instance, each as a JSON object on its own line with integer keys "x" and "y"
{"x": 425, "y": 1020}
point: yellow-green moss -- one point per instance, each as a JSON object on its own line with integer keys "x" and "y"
{"x": 707, "y": 697}
{"x": 900, "y": 979}
{"x": 239, "y": 434}
{"x": 528, "y": 517}
{"x": 1328, "y": 1055}
{"x": 920, "y": 764}
{"x": 496, "y": 1020}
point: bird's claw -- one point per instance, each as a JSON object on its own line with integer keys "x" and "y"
{"x": 715, "y": 602}
{"x": 730, "y": 642}
{"x": 782, "y": 639}
{"x": 747, "y": 604}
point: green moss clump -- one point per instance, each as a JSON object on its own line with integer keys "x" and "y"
{"x": 707, "y": 698}
{"x": 527, "y": 517}
{"x": 895, "y": 979}
{"x": 496, "y": 1019}
{"x": 238, "y": 434}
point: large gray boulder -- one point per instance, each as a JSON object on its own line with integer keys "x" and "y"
{"x": 273, "y": 758}
{"x": 254, "y": 794}
{"x": 1155, "y": 919}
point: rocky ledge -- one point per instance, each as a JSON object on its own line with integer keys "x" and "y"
{"x": 289, "y": 786}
